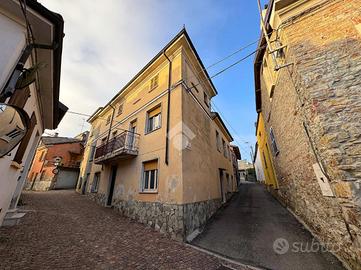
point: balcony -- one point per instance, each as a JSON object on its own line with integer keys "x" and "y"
{"x": 122, "y": 146}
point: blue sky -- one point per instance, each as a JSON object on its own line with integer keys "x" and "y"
{"x": 107, "y": 42}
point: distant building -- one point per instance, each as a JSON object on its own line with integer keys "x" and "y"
{"x": 56, "y": 163}
{"x": 157, "y": 152}
{"x": 308, "y": 99}
{"x": 258, "y": 166}
{"x": 236, "y": 155}
{"x": 246, "y": 171}
{"x": 30, "y": 63}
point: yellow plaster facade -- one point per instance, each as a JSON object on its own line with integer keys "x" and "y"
{"x": 196, "y": 171}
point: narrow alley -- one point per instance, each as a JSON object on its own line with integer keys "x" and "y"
{"x": 248, "y": 227}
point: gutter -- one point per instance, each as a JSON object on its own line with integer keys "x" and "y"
{"x": 58, "y": 23}
{"x": 168, "y": 110}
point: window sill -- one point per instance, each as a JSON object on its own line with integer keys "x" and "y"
{"x": 148, "y": 192}
{"x": 148, "y": 132}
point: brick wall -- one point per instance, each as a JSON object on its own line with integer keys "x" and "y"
{"x": 325, "y": 92}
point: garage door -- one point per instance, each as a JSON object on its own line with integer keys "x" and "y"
{"x": 66, "y": 179}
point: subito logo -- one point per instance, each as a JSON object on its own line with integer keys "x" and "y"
{"x": 281, "y": 246}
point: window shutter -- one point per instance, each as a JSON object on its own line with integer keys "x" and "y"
{"x": 20, "y": 97}
{"x": 25, "y": 141}
{"x": 150, "y": 165}
{"x": 154, "y": 112}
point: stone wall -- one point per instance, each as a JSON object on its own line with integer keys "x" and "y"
{"x": 322, "y": 89}
{"x": 176, "y": 220}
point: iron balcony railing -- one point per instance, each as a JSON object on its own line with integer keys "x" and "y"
{"x": 126, "y": 143}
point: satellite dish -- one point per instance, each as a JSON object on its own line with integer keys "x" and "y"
{"x": 14, "y": 123}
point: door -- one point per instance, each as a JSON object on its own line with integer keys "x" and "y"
{"x": 113, "y": 175}
{"x": 66, "y": 179}
{"x": 223, "y": 197}
{"x": 131, "y": 134}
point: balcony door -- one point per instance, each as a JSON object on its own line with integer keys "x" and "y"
{"x": 131, "y": 134}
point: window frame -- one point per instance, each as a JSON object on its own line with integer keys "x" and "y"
{"x": 275, "y": 148}
{"x": 156, "y": 178}
{"x": 153, "y": 85}
{"x": 206, "y": 99}
{"x": 218, "y": 141}
{"x": 120, "y": 109}
{"x": 95, "y": 188}
{"x": 148, "y": 119}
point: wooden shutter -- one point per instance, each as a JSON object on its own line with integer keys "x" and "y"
{"x": 20, "y": 97}
{"x": 150, "y": 165}
{"x": 25, "y": 141}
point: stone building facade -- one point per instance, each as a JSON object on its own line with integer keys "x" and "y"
{"x": 311, "y": 109}
{"x": 157, "y": 152}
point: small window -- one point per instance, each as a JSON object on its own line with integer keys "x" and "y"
{"x": 218, "y": 141}
{"x": 154, "y": 82}
{"x": 273, "y": 143}
{"x": 108, "y": 120}
{"x": 95, "y": 183}
{"x": 206, "y": 99}
{"x": 195, "y": 88}
{"x": 224, "y": 148}
{"x": 153, "y": 120}
{"x": 150, "y": 176}
{"x": 120, "y": 109}
{"x": 42, "y": 156}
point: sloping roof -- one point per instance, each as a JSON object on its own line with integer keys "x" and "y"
{"x": 58, "y": 140}
{"x": 58, "y": 22}
{"x": 161, "y": 52}
{"x": 259, "y": 56}
{"x": 215, "y": 115}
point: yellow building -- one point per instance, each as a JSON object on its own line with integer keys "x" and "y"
{"x": 265, "y": 154}
{"x": 156, "y": 151}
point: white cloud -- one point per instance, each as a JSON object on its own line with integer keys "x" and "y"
{"x": 107, "y": 42}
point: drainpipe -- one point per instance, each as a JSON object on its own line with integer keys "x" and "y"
{"x": 168, "y": 109}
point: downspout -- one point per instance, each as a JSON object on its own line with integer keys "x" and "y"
{"x": 168, "y": 110}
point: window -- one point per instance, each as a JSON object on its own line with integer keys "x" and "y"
{"x": 195, "y": 88}
{"x": 224, "y": 148}
{"x": 153, "y": 120}
{"x": 206, "y": 100}
{"x": 218, "y": 141}
{"x": 108, "y": 120}
{"x": 154, "y": 82}
{"x": 95, "y": 183}
{"x": 92, "y": 151}
{"x": 150, "y": 176}
{"x": 120, "y": 109}
{"x": 273, "y": 143}
{"x": 42, "y": 156}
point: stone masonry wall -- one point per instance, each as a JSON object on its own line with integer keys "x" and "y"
{"x": 322, "y": 89}
{"x": 176, "y": 220}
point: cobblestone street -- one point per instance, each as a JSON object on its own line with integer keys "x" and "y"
{"x": 64, "y": 230}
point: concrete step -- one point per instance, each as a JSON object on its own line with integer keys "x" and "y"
{"x": 12, "y": 218}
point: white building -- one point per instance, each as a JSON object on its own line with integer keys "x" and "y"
{"x": 258, "y": 166}
{"x": 31, "y": 37}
